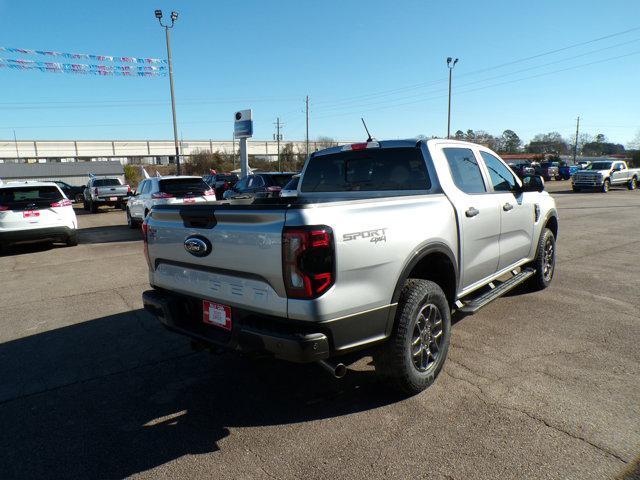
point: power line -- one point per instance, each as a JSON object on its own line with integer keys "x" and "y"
{"x": 515, "y": 72}
{"x": 358, "y": 112}
{"x": 384, "y": 93}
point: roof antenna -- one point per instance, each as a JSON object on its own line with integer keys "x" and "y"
{"x": 370, "y": 139}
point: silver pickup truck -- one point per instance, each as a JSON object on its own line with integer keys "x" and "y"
{"x": 383, "y": 242}
{"x": 105, "y": 191}
{"x": 601, "y": 175}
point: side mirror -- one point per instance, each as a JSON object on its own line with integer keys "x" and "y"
{"x": 532, "y": 183}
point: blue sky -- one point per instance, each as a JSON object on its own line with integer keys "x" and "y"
{"x": 379, "y": 59}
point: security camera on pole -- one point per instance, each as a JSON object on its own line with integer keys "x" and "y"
{"x": 243, "y": 129}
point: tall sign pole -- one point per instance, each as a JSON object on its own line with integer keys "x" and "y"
{"x": 243, "y": 129}
{"x": 174, "y": 17}
{"x": 450, "y": 64}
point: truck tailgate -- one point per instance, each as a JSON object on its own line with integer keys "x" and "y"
{"x": 113, "y": 191}
{"x": 244, "y": 266}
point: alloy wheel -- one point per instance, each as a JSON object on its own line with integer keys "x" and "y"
{"x": 427, "y": 337}
{"x": 549, "y": 260}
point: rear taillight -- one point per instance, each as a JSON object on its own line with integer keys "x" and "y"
{"x": 161, "y": 195}
{"x": 128, "y": 188}
{"x": 62, "y": 203}
{"x": 145, "y": 241}
{"x": 95, "y": 190}
{"x": 307, "y": 261}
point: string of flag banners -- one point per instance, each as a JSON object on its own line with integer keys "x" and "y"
{"x": 82, "y": 66}
{"x": 86, "y": 56}
{"x": 73, "y": 68}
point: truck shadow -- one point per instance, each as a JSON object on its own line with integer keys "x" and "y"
{"x": 108, "y": 234}
{"x": 119, "y": 395}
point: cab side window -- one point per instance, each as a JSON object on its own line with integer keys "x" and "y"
{"x": 465, "y": 170}
{"x": 501, "y": 177}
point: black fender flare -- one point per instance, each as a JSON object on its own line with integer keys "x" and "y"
{"x": 416, "y": 256}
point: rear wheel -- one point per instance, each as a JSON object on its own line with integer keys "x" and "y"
{"x": 79, "y": 197}
{"x": 545, "y": 261}
{"x": 85, "y": 205}
{"x": 72, "y": 239}
{"x": 131, "y": 222}
{"x": 413, "y": 356}
{"x": 93, "y": 206}
{"x": 633, "y": 184}
{"x": 606, "y": 185}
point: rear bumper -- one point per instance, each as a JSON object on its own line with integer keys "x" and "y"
{"x": 36, "y": 234}
{"x": 292, "y": 340}
{"x": 106, "y": 201}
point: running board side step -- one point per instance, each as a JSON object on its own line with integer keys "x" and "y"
{"x": 472, "y": 306}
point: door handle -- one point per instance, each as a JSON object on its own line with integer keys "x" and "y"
{"x": 472, "y": 212}
{"x": 507, "y": 206}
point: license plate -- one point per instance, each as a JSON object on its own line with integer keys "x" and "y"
{"x": 189, "y": 200}
{"x": 30, "y": 213}
{"x": 113, "y": 199}
{"x": 216, "y": 314}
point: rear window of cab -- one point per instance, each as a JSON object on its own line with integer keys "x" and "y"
{"x": 371, "y": 169}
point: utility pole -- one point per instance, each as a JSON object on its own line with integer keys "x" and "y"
{"x": 15, "y": 142}
{"x": 277, "y": 137}
{"x": 575, "y": 146}
{"x": 174, "y": 17}
{"x": 450, "y": 64}
{"x": 307, "y": 114}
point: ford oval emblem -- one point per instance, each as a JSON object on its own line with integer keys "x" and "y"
{"x": 198, "y": 246}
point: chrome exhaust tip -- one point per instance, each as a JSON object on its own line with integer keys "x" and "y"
{"x": 338, "y": 370}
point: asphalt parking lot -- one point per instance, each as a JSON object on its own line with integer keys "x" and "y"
{"x": 543, "y": 385}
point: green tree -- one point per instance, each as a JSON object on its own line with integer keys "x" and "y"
{"x": 511, "y": 142}
{"x": 459, "y": 135}
{"x": 545, "y": 143}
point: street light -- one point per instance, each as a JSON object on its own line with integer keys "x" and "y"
{"x": 450, "y": 64}
{"x": 174, "y": 17}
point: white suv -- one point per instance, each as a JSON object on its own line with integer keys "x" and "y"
{"x": 169, "y": 190}
{"x": 36, "y": 211}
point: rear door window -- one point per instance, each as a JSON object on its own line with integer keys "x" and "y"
{"x": 465, "y": 170}
{"x": 29, "y": 197}
{"x": 372, "y": 169}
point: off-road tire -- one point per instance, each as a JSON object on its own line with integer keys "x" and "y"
{"x": 606, "y": 185}
{"x": 633, "y": 183}
{"x": 85, "y": 205}
{"x": 93, "y": 206}
{"x": 393, "y": 360}
{"x": 543, "y": 277}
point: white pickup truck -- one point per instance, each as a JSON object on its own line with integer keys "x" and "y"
{"x": 105, "y": 191}
{"x": 382, "y": 243}
{"x": 601, "y": 175}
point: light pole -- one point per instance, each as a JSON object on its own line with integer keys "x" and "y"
{"x": 174, "y": 17}
{"x": 450, "y": 64}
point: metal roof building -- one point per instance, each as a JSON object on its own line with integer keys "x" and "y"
{"x": 73, "y": 173}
